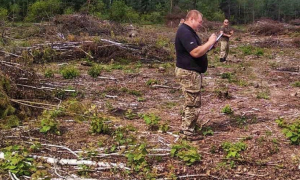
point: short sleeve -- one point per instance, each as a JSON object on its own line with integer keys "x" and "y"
{"x": 188, "y": 41}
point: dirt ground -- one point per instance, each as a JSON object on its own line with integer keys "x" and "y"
{"x": 259, "y": 91}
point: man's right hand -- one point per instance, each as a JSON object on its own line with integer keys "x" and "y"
{"x": 212, "y": 39}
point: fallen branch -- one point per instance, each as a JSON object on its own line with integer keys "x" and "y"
{"x": 31, "y": 102}
{"x": 85, "y": 52}
{"x": 75, "y": 162}
{"x": 110, "y": 78}
{"x": 163, "y": 86}
{"x": 109, "y": 96}
{"x": 10, "y": 54}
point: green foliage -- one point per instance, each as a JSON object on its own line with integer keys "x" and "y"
{"x": 99, "y": 125}
{"x": 227, "y": 110}
{"x": 137, "y": 158}
{"x": 296, "y": 84}
{"x": 95, "y": 8}
{"x": 95, "y": 71}
{"x": 151, "y": 121}
{"x": 185, "y": 152}
{"x": 233, "y": 149}
{"x": 259, "y": 52}
{"x": 69, "y": 10}
{"x": 207, "y": 131}
{"x": 120, "y": 12}
{"x": 49, "y": 73}
{"x": 132, "y": 92}
{"x": 69, "y": 72}
{"x": 162, "y": 42}
{"x": 17, "y": 161}
{"x": 122, "y": 135}
{"x": 151, "y": 82}
{"x": 49, "y": 124}
{"x": 3, "y": 13}
{"x": 129, "y": 114}
{"x": 43, "y": 10}
{"x": 291, "y": 131}
{"x": 152, "y": 18}
{"x": 249, "y": 49}
{"x": 263, "y": 95}
{"x": 164, "y": 127}
{"x": 228, "y": 76}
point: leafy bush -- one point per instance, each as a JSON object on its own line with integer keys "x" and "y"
{"x": 17, "y": 161}
{"x": 95, "y": 71}
{"x": 151, "y": 120}
{"x": 247, "y": 50}
{"x": 263, "y": 95}
{"x": 69, "y": 72}
{"x": 120, "y": 12}
{"x": 137, "y": 158}
{"x": 185, "y": 152}
{"x": 226, "y": 76}
{"x": 227, "y": 110}
{"x": 49, "y": 124}
{"x": 233, "y": 149}
{"x": 3, "y": 13}
{"x": 151, "y": 82}
{"x": 153, "y": 17}
{"x": 99, "y": 125}
{"x": 43, "y": 10}
{"x": 291, "y": 131}
{"x": 49, "y": 73}
{"x": 296, "y": 84}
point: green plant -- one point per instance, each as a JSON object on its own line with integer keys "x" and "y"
{"x": 141, "y": 99}
{"x": 17, "y": 161}
{"x": 132, "y": 92}
{"x": 259, "y": 52}
{"x": 84, "y": 170}
{"x": 95, "y": 71}
{"x": 99, "y": 125}
{"x": 49, "y": 73}
{"x": 69, "y": 72}
{"x": 207, "y": 131}
{"x": 263, "y": 95}
{"x": 49, "y": 124}
{"x": 41, "y": 10}
{"x": 227, "y": 110}
{"x": 226, "y": 75}
{"x": 233, "y": 149}
{"x": 151, "y": 120}
{"x": 185, "y": 152}
{"x": 137, "y": 158}
{"x": 122, "y": 135}
{"x": 129, "y": 114}
{"x": 247, "y": 50}
{"x": 296, "y": 84}
{"x": 291, "y": 131}
{"x": 151, "y": 82}
{"x": 164, "y": 127}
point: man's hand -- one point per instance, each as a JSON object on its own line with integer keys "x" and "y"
{"x": 212, "y": 39}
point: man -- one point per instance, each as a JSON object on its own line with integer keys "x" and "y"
{"x": 227, "y": 33}
{"x": 191, "y": 61}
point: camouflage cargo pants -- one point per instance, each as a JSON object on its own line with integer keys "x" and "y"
{"x": 224, "y": 49}
{"x": 190, "y": 82}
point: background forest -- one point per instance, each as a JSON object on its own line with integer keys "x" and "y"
{"x": 151, "y": 11}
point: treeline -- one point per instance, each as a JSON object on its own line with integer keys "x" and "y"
{"x": 151, "y": 11}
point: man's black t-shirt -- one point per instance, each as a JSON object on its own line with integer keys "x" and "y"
{"x": 187, "y": 40}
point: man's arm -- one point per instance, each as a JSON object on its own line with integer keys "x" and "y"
{"x": 201, "y": 50}
{"x": 224, "y": 34}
